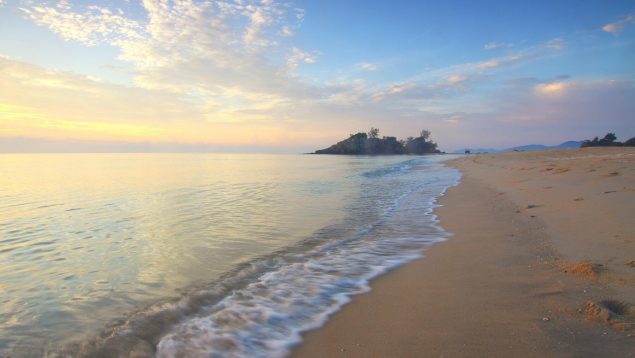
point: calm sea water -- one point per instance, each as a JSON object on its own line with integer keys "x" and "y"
{"x": 199, "y": 254}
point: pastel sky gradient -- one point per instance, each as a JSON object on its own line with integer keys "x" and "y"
{"x": 294, "y": 76}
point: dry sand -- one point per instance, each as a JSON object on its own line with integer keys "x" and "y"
{"x": 542, "y": 263}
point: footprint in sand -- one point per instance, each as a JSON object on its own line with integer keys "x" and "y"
{"x": 617, "y": 314}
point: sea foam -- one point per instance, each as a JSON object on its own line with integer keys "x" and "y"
{"x": 298, "y": 290}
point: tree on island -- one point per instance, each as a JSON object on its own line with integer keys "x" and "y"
{"x": 609, "y": 140}
{"x": 370, "y": 144}
{"x": 421, "y": 144}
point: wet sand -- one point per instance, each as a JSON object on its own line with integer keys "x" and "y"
{"x": 542, "y": 263}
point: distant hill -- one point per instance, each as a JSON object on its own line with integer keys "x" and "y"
{"x": 565, "y": 145}
{"x": 527, "y": 147}
{"x": 476, "y": 150}
{"x": 569, "y": 144}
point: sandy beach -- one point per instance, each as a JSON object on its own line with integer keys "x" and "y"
{"x": 541, "y": 263}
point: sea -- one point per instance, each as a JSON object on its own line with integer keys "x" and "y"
{"x": 200, "y": 255}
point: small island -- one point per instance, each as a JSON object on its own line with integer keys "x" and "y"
{"x": 370, "y": 144}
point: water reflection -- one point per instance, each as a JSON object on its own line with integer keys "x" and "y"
{"x": 87, "y": 238}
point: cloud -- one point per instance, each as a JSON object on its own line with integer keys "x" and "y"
{"x": 63, "y": 106}
{"x": 447, "y": 83}
{"x": 454, "y": 79}
{"x": 494, "y": 45}
{"x": 421, "y": 93}
{"x": 349, "y": 93}
{"x": 41, "y": 103}
{"x": 557, "y": 43}
{"x": 502, "y": 61}
{"x": 286, "y": 31}
{"x": 95, "y": 25}
{"x": 551, "y": 88}
{"x": 259, "y": 18}
{"x": 201, "y": 49}
{"x": 368, "y": 67}
{"x": 226, "y": 72}
{"x": 481, "y": 69}
{"x": 548, "y": 112}
{"x": 523, "y": 111}
{"x": 490, "y": 64}
{"x": 436, "y": 89}
{"x": 298, "y": 56}
{"x": 618, "y": 26}
{"x": 193, "y": 48}
{"x": 571, "y": 104}
{"x": 34, "y": 94}
{"x": 521, "y": 55}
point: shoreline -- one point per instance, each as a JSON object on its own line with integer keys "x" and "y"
{"x": 523, "y": 275}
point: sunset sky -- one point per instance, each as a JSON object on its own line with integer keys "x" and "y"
{"x": 295, "y": 76}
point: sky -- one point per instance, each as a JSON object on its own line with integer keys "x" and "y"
{"x": 295, "y": 76}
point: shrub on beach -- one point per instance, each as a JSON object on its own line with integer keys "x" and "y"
{"x": 609, "y": 140}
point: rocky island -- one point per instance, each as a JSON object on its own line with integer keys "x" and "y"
{"x": 370, "y": 144}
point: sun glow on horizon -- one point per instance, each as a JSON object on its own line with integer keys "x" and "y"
{"x": 551, "y": 89}
{"x": 269, "y": 73}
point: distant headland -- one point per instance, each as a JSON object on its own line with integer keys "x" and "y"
{"x": 370, "y": 144}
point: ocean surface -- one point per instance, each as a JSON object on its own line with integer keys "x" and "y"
{"x": 199, "y": 255}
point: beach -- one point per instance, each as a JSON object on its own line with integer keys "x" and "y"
{"x": 541, "y": 263}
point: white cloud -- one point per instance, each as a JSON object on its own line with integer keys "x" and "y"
{"x": 578, "y": 102}
{"x": 349, "y": 93}
{"x": 81, "y": 102}
{"x": 194, "y": 48}
{"x": 401, "y": 87}
{"x": 298, "y": 56}
{"x": 551, "y": 88}
{"x": 491, "y": 45}
{"x": 549, "y": 112}
{"x": 618, "y": 26}
{"x": 556, "y": 44}
{"x": 200, "y": 49}
{"x": 226, "y": 62}
{"x": 422, "y": 93}
{"x": 43, "y": 103}
{"x": 454, "y": 79}
{"x": 368, "y": 67}
{"x": 286, "y": 31}
{"x": 259, "y": 17}
{"x": 91, "y": 27}
{"x": 494, "y": 45}
{"x": 489, "y": 64}
{"x": 501, "y": 61}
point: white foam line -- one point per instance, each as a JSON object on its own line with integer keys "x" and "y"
{"x": 266, "y": 317}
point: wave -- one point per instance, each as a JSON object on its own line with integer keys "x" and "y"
{"x": 261, "y": 308}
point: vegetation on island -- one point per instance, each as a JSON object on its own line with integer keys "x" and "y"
{"x": 370, "y": 144}
{"x": 609, "y": 140}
